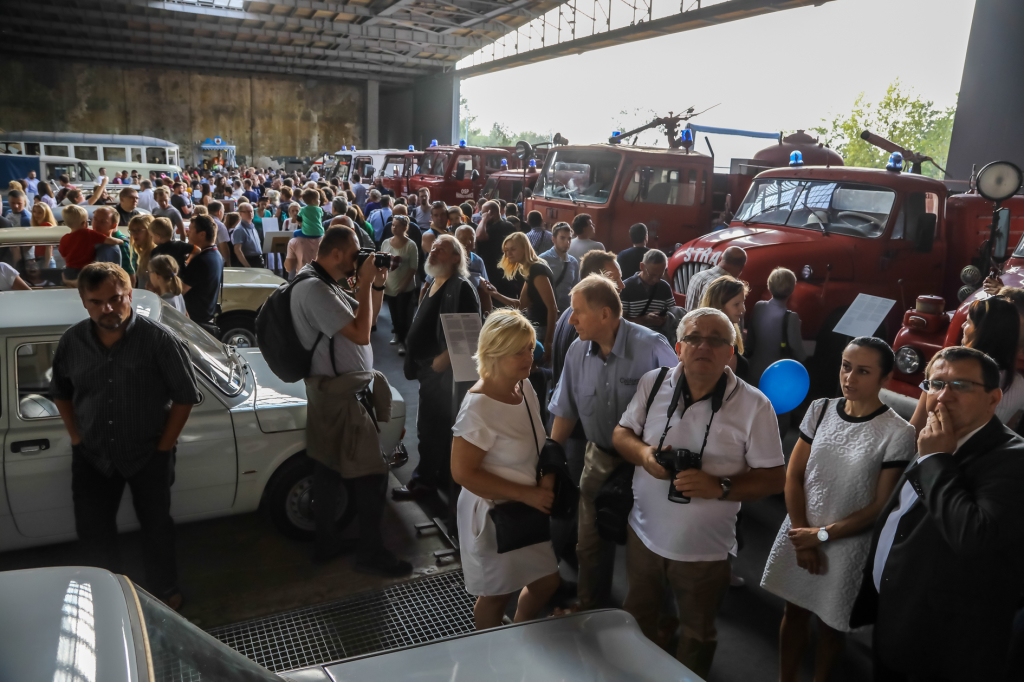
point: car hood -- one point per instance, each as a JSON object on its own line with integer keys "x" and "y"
{"x": 281, "y": 406}
{"x": 251, "y": 277}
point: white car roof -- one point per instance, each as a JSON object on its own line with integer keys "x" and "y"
{"x": 58, "y": 307}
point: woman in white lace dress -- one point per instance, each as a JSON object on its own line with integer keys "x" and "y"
{"x": 847, "y": 462}
{"x": 498, "y": 436}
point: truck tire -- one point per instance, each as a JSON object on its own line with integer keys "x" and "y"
{"x": 288, "y": 500}
{"x": 238, "y": 329}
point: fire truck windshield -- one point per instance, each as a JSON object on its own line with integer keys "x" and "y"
{"x": 434, "y": 163}
{"x": 578, "y": 175}
{"x": 830, "y": 207}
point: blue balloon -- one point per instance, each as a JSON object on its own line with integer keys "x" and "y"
{"x": 785, "y": 383}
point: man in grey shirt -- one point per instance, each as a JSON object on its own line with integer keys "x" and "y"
{"x": 565, "y": 268}
{"x": 733, "y": 261}
{"x": 165, "y": 210}
{"x": 336, "y": 327}
{"x": 602, "y": 368}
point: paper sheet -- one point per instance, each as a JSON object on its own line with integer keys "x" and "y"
{"x": 274, "y": 238}
{"x": 865, "y": 315}
{"x": 462, "y": 332}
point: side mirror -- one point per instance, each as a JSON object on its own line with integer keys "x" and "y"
{"x": 924, "y": 236}
{"x": 1002, "y": 235}
{"x": 460, "y": 171}
{"x": 475, "y": 175}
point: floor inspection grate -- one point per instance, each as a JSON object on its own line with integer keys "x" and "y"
{"x": 409, "y": 613}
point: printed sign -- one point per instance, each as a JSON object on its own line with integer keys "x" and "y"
{"x": 865, "y": 315}
{"x": 462, "y": 332}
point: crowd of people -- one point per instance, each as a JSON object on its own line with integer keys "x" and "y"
{"x": 604, "y": 414}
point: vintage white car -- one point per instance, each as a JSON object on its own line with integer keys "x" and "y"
{"x": 89, "y": 625}
{"x": 242, "y": 448}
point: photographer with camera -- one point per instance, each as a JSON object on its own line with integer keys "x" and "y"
{"x": 707, "y": 442}
{"x": 345, "y": 397}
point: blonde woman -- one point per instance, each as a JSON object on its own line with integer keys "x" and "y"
{"x": 163, "y": 279}
{"x": 729, "y": 294}
{"x": 537, "y": 297}
{"x": 497, "y": 439}
{"x": 42, "y": 216}
{"x": 141, "y": 243}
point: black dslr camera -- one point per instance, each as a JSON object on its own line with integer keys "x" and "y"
{"x": 675, "y": 461}
{"x": 381, "y": 260}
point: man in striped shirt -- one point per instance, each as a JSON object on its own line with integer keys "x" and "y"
{"x": 647, "y": 298}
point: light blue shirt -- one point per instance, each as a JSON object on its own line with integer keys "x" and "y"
{"x": 571, "y": 278}
{"x": 477, "y": 269}
{"x": 378, "y": 219}
{"x": 245, "y": 234}
{"x": 597, "y": 391}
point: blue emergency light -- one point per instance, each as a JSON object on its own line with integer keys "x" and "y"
{"x": 504, "y": 163}
{"x": 353, "y": 147}
{"x": 687, "y": 137}
{"x": 533, "y": 163}
{"x": 433, "y": 143}
{"x": 796, "y": 159}
{"x": 462, "y": 143}
{"x": 412, "y": 148}
{"x": 895, "y": 164}
{"x": 616, "y": 133}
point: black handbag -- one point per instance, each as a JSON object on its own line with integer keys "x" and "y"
{"x": 517, "y": 524}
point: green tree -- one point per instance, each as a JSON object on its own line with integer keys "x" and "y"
{"x": 901, "y": 116}
{"x": 499, "y": 135}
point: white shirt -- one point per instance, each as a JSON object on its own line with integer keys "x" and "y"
{"x": 744, "y": 435}
{"x": 7, "y": 277}
{"x": 314, "y": 176}
{"x": 908, "y": 496}
{"x": 147, "y": 200}
{"x": 580, "y": 247}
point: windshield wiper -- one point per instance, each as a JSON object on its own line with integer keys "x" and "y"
{"x": 762, "y": 212}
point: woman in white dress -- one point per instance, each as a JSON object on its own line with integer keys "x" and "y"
{"x": 494, "y": 458}
{"x": 849, "y": 457}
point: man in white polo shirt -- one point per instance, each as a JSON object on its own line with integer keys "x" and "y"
{"x": 700, "y": 406}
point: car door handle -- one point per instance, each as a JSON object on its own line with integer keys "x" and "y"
{"x": 26, "y": 447}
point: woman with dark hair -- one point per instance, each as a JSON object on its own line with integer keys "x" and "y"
{"x": 45, "y": 194}
{"x": 844, "y": 467}
{"x": 993, "y": 327}
{"x": 729, "y": 295}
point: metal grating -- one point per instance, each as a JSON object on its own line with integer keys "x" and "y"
{"x": 409, "y": 613}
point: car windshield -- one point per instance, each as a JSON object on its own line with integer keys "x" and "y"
{"x": 434, "y": 163}
{"x": 181, "y": 651}
{"x": 394, "y": 166}
{"x": 1019, "y": 251}
{"x": 837, "y": 207}
{"x": 578, "y": 175}
{"x": 490, "y": 190}
{"x": 219, "y": 364}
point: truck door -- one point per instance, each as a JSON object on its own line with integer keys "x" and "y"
{"x": 659, "y": 197}
{"x": 907, "y": 257}
{"x": 462, "y": 177}
{"x": 37, "y": 451}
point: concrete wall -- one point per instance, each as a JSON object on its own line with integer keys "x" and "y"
{"x": 396, "y": 107}
{"x": 261, "y": 116}
{"x": 988, "y": 123}
{"x": 436, "y": 110}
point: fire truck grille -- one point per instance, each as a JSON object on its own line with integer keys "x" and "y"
{"x": 684, "y": 273}
{"x": 408, "y": 613}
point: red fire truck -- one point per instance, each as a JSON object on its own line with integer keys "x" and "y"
{"x": 397, "y": 168}
{"x": 983, "y": 235}
{"x": 455, "y": 174}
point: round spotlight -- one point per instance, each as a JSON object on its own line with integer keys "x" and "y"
{"x": 999, "y": 180}
{"x": 970, "y": 275}
{"x": 963, "y": 292}
{"x": 908, "y": 360}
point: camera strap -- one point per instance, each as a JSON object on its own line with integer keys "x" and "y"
{"x": 716, "y": 396}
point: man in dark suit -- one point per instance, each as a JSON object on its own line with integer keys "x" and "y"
{"x": 946, "y": 568}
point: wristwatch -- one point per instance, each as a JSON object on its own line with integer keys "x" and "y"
{"x": 726, "y": 484}
{"x": 822, "y": 535}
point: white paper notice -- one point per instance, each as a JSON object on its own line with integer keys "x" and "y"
{"x": 274, "y": 237}
{"x": 865, "y": 315}
{"x": 462, "y": 331}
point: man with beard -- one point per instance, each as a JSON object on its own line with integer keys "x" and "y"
{"x": 344, "y": 397}
{"x": 124, "y": 386}
{"x": 427, "y": 361}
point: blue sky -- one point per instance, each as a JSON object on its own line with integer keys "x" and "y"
{"x": 781, "y": 71}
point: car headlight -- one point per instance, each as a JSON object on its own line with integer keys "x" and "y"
{"x": 807, "y": 272}
{"x": 908, "y": 360}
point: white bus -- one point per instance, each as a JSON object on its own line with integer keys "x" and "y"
{"x": 115, "y": 153}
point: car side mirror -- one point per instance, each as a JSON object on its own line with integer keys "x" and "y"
{"x": 475, "y": 174}
{"x": 1002, "y": 236}
{"x": 460, "y": 171}
{"x": 924, "y": 235}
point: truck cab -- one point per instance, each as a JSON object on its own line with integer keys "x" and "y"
{"x": 619, "y": 185}
{"x": 509, "y": 184}
{"x": 455, "y": 174}
{"x": 843, "y": 231}
{"x": 929, "y": 326}
{"x": 397, "y": 168}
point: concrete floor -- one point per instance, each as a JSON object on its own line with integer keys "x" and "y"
{"x": 237, "y": 568}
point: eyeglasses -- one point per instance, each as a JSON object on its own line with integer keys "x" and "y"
{"x": 695, "y": 340}
{"x": 958, "y": 385}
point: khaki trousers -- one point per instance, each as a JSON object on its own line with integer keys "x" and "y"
{"x": 596, "y": 556}
{"x": 698, "y": 586}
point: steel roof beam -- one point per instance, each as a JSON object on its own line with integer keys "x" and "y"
{"x": 335, "y": 7}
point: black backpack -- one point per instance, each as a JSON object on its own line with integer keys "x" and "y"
{"x": 276, "y": 335}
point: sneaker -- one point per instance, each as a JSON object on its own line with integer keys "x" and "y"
{"x": 394, "y": 339}
{"x": 401, "y": 349}
{"x": 384, "y": 564}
